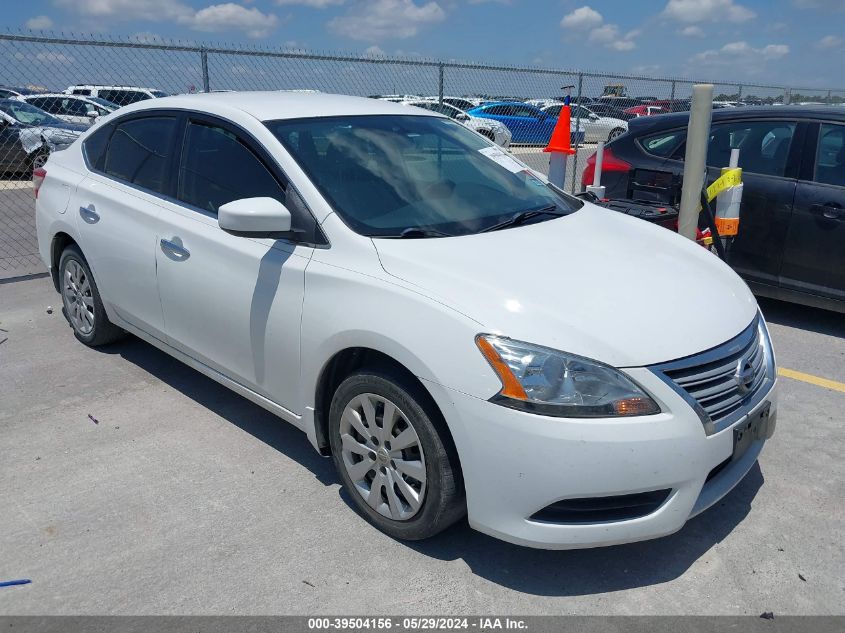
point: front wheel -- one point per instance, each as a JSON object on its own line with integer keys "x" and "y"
{"x": 402, "y": 474}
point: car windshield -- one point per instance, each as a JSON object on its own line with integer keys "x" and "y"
{"x": 28, "y": 114}
{"x": 108, "y": 105}
{"x": 430, "y": 175}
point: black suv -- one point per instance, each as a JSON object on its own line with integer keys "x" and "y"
{"x": 791, "y": 242}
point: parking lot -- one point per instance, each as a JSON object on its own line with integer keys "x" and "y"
{"x": 134, "y": 485}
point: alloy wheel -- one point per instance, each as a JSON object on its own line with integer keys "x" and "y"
{"x": 78, "y": 298}
{"x": 383, "y": 456}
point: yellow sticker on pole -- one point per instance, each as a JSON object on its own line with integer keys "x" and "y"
{"x": 729, "y": 178}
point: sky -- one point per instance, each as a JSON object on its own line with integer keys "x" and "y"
{"x": 799, "y": 42}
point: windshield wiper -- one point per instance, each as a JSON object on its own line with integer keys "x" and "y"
{"x": 418, "y": 231}
{"x": 522, "y": 216}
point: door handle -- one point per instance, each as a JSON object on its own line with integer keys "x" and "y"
{"x": 174, "y": 249}
{"x": 829, "y": 211}
{"x": 89, "y": 214}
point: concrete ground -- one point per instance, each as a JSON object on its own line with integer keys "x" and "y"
{"x": 183, "y": 498}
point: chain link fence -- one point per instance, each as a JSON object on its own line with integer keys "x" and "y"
{"x": 32, "y": 63}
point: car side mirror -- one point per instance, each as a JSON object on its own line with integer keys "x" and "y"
{"x": 594, "y": 117}
{"x": 255, "y": 217}
{"x": 462, "y": 117}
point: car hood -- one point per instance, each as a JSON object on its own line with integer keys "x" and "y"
{"x": 595, "y": 283}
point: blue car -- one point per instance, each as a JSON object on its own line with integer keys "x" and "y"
{"x": 527, "y": 124}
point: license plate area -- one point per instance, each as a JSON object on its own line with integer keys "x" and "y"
{"x": 754, "y": 428}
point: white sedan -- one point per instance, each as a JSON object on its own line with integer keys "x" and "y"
{"x": 496, "y": 131}
{"x": 596, "y": 128}
{"x": 402, "y": 291}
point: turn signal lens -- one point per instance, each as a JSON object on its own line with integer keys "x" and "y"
{"x": 636, "y": 406}
{"x": 510, "y": 385}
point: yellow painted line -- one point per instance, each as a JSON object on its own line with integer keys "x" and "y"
{"x": 813, "y": 380}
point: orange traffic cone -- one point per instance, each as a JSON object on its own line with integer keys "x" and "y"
{"x": 560, "y": 141}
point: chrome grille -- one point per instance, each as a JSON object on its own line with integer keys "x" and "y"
{"x": 724, "y": 383}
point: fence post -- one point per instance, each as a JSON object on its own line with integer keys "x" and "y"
{"x": 739, "y": 92}
{"x": 204, "y": 60}
{"x": 440, "y": 83}
{"x": 672, "y": 96}
{"x": 577, "y": 125}
{"x": 787, "y": 96}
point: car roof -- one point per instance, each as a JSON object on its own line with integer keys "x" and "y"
{"x": 275, "y": 105}
{"x": 61, "y": 95}
{"x": 506, "y": 103}
{"x": 675, "y": 119}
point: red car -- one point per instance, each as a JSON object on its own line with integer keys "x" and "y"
{"x": 644, "y": 110}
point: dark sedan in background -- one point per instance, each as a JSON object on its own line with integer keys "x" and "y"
{"x": 28, "y": 135}
{"x": 791, "y": 242}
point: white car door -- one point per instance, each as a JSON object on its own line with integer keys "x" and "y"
{"x": 231, "y": 302}
{"x": 117, "y": 208}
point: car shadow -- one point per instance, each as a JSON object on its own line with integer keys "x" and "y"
{"x": 803, "y": 317}
{"x": 596, "y": 570}
{"x": 221, "y": 401}
{"x": 537, "y": 572}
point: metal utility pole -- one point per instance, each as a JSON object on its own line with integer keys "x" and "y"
{"x": 204, "y": 60}
{"x": 695, "y": 159}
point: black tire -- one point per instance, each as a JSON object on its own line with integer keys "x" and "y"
{"x": 103, "y": 331}
{"x": 37, "y": 160}
{"x": 487, "y": 134}
{"x": 444, "y": 502}
{"x": 617, "y": 131}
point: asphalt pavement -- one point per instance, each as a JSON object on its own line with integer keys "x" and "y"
{"x": 133, "y": 485}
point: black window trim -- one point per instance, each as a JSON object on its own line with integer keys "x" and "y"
{"x": 145, "y": 114}
{"x": 811, "y": 148}
{"x": 796, "y": 148}
{"x": 317, "y": 240}
{"x": 170, "y": 188}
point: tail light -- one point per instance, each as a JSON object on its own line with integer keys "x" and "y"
{"x": 38, "y": 176}
{"x": 609, "y": 163}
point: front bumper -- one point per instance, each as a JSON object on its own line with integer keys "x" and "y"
{"x": 515, "y": 464}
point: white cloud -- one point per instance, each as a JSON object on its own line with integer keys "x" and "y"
{"x": 151, "y": 10}
{"x": 830, "y": 41}
{"x": 374, "y": 51}
{"x": 739, "y": 55}
{"x": 316, "y": 4}
{"x": 374, "y": 20}
{"x": 692, "y": 31}
{"x": 582, "y": 18}
{"x": 229, "y": 17}
{"x": 213, "y": 18}
{"x": 587, "y": 19}
{"x": 39, "y": 23}
{"x": 691, "y": 11}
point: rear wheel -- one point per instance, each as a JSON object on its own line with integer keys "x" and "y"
{"x": 401, "y": 474}
{"x": 617, "y": 131}
{"x": 83, "y": 307}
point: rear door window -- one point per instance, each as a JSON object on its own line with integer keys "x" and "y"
{"x": 664, "y": 144}
{"x": 139, "y": 152}
{"x": 830, "y": 156}
{"x": 763, "y": 145}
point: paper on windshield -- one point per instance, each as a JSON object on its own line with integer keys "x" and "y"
{"x": 504, "y": 159}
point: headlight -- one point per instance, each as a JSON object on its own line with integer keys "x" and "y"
{"x": 549, "y": 382}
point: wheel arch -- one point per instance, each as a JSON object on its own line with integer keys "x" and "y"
{"x": 58, "y": 244}
{"x": 349, "y": 360}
